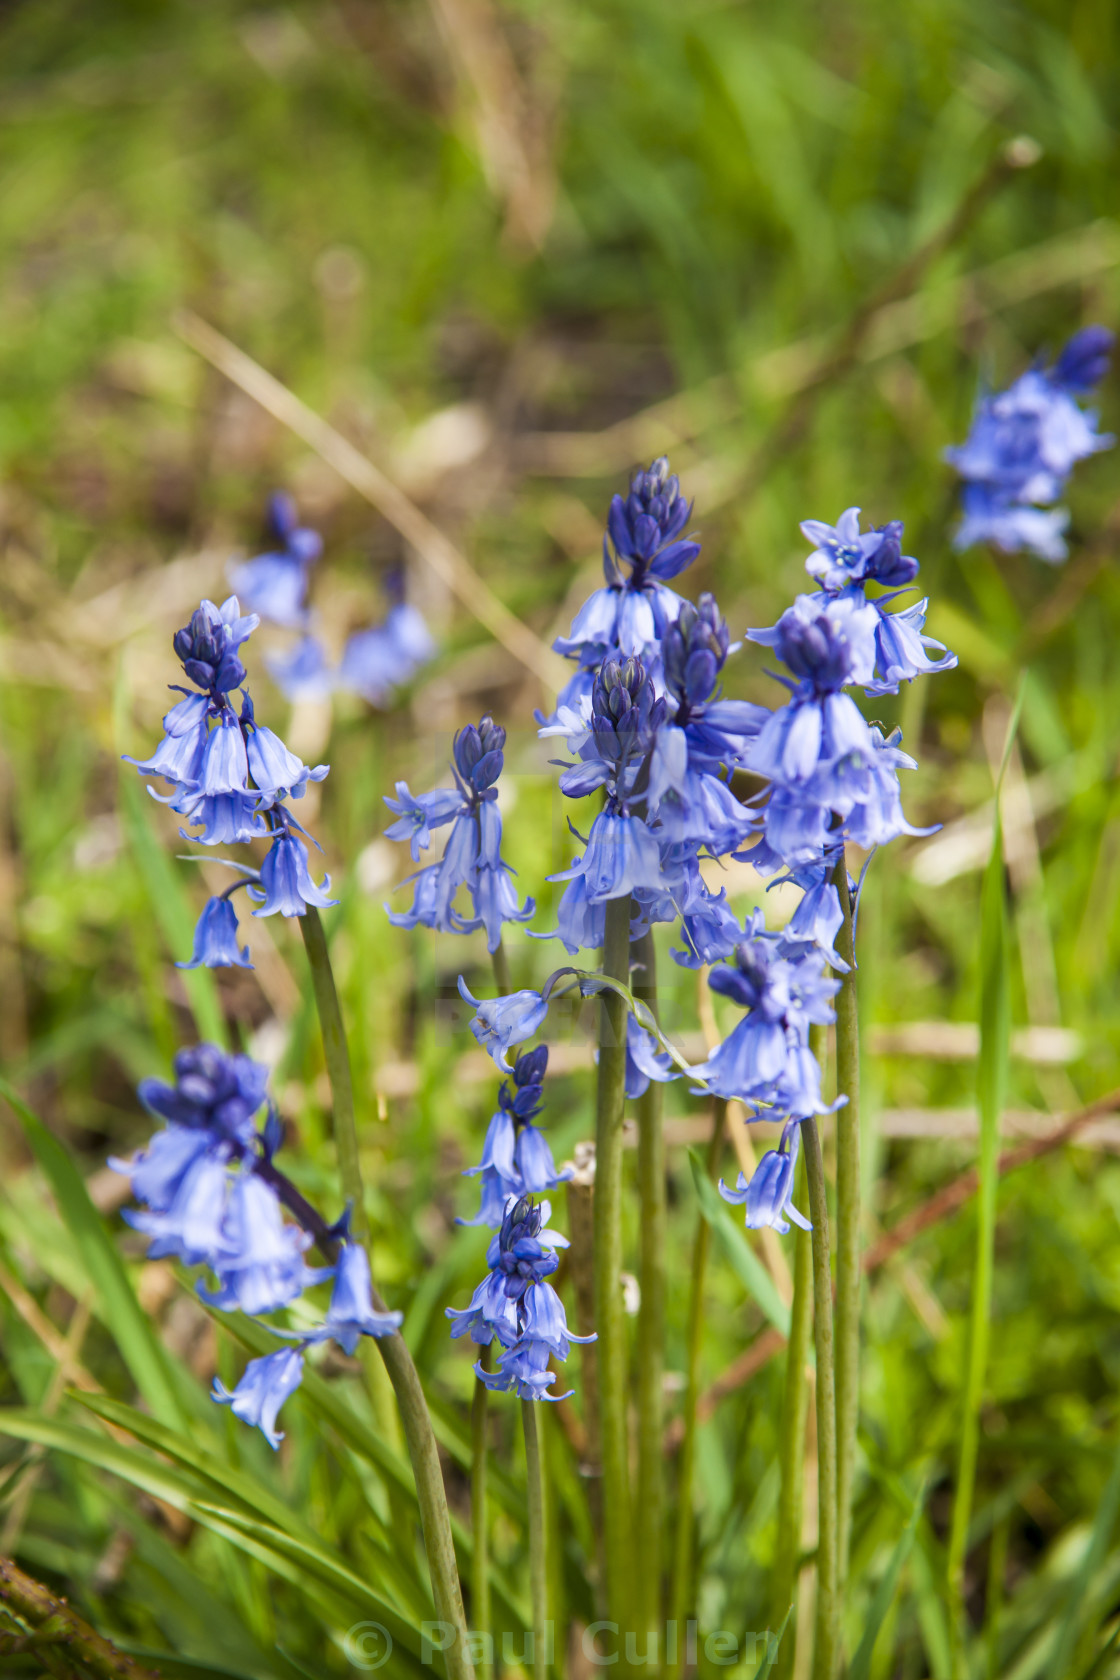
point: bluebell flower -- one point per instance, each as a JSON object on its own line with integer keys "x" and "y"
{"x": 157, "y": 1172}
{"x": 644, "y": 1061}
{"x": 263, "y": 1389}
{"x": 259, "y": 1265}
{"x": 1023, "y": 445}
{"x": 988, "y": 516}
{"x": 642, "y": 549}
{"x": 883, "y": 648}
{"x": 216, "y": 938}
{"x": 472, "y": 856}
{"x": 208, "y": 645}
{"x": 831, "y": 775}
{"x": 819, "y": 916}
{"x": 502, "y": 1022}
{"x": 518, "y": 1306}
{"x": 351, "y": 1314}
{"x": 516, "y": 1158}
{"x": 285, "y": 882}
{"x": 843, "y": 555}
{"x": 580, "y": 920}
{"x": 378, "y": 661}
{"x": 274, "y": 584}
{"x": 765, "y": 1058}
{"x": 768, "y": 1194}
{"x": 709, "y": 928}
{"x": 621, "y": 856}
{"x": 304, "y": 672}
{"x": 213, "y": 1092}
{"x": 192, "y": 1227}
{"x": 277, "y": 772}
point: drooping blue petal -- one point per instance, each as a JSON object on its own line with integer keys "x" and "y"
{"x": 263, "y": 1389}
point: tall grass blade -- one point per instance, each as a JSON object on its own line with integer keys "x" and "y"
{"x": 860, "y": 1666}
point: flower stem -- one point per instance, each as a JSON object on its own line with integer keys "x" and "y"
{"x": 538, "y": 1563}
{"x": 792, "y": 1444}
{"x": 825, "y": 1640}
{"x": 480, "y": 1462}
{"x": 480, "y": 1532}
{"x": 848, "y": 1271}
{"x": 610, "y": 1322}
{"x": 682, "y": 1557}
{"x": 336, "y": 1053}
{"x": 435, "y": 1522}
{"x": 650, "y": 1502}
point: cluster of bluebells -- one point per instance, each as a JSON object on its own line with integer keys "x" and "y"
{"x": 213, "y": 1197}
{"x": 231, "y": 780}
{"x": 516, "y": 1305}
{"x": 472, "y": 857}
{"x": 375, "y": 662}
{"x": 1022, "y": 447}
{"x": 652, "y": 738}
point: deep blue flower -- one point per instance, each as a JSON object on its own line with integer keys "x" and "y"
{"x": 286, "y": 885}
{"x": 274, "y": 584}
{"x": 215, "y": 938}
{"x": 213, "y": 1092}
{"x": 208, "y": 645}
{"x": 709, "y": 928}
{"x": 768, "y": 1194}
{"x": 157, "y": 1172}
{"x": 263, "y": 1389}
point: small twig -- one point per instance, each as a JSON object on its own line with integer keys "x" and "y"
{"x": 449, "y": 564}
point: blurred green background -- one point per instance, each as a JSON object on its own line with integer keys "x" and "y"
{"x": 513, "y": 251}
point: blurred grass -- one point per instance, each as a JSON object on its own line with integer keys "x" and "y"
{"x": 327, "y": 185}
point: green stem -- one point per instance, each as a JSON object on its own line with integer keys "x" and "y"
{"x": 60, "y": 1627}
{"x": 538, "y": 1564}
{"x": 610, "y": 1323}
{"x": 650, "y": 1501}
{"x": 825, "y": 1640}
{"x": 848, "y": 1268}
{"x": 336, "y": 1054}
{"x": 499, "y": 961}
{"x": 480, "y": 1411}
{"x": 792, "y": 1445}
{"x": 435, "y": 1522}
{"x": 480, "y": 1533}
{"x": 701, "y": 1242}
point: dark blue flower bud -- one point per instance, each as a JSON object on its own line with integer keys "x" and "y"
{"x": 1084, "y": 361}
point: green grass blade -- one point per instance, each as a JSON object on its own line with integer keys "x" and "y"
{"x": 745, "y": 1263}
{"x": 132, "y": 1330}
{"x": 860, "y": 1666}
{"x": 1103, "y": 1524}
{"x": 991, "y": 1088}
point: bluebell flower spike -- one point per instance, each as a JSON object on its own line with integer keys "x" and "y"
{"x": 1022, "y": 447}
